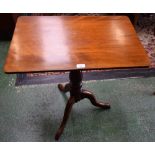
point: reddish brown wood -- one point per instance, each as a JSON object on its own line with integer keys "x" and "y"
{"x": 68, "y": 108}
{"x": 76, "y": 94}
{"x": 52, "y": 43}
{"x": 64, "y": 88}
{"x": 60, "y": 43}
{"x": 89, "y": 95}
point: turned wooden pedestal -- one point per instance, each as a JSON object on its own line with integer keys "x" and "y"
{"x": 76, "y": 94}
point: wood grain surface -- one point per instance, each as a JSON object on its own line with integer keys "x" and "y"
{"x": 59, "y": 43}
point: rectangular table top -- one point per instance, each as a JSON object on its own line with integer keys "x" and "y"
{"x": 63, "y": 43}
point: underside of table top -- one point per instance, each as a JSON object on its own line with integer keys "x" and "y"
{"x": 63, "y": 43}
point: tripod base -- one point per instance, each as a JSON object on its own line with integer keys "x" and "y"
{"x": 76, "y": 94}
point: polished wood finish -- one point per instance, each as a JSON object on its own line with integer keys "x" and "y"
{"x": 54, "y": 43}
{"x": 76, "y": 94}
{"x": 60, "y": 43}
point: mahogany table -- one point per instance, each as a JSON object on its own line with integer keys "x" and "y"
{"x": 74, "y": 43}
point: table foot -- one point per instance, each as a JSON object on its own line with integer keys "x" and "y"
{"x": 64, "y": 88}
{"x": 65, "y": 117}
{"x": 87, "y": 94}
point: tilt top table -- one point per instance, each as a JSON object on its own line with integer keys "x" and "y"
{"x": 74, "y": 43}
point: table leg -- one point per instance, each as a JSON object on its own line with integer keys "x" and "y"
{"x": 76, "y": 94}
{"x": 87, "y": 94}
{"x": 65, "y": 118}
{"x": 63, "y": 88}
